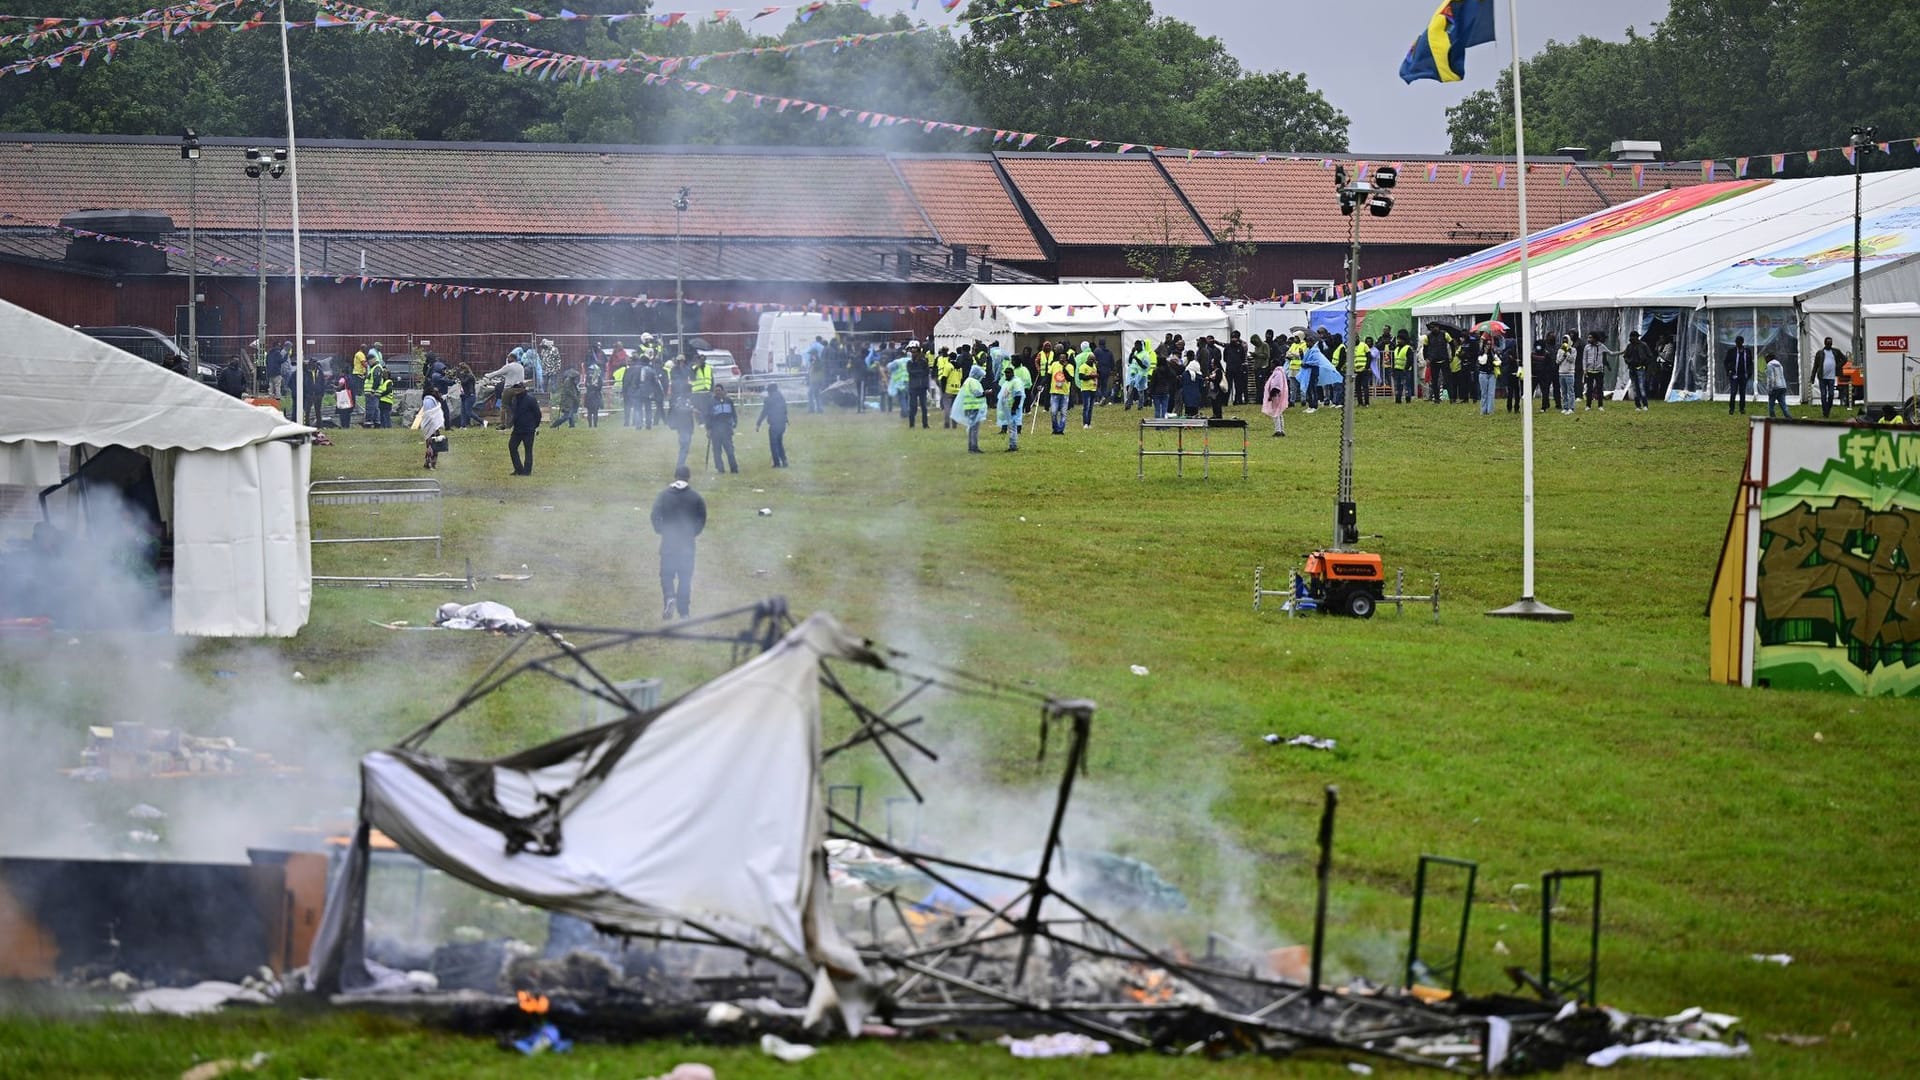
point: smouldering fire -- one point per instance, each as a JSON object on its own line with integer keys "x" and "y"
{"x": 1151, "y": 987}
{"x": 535, "y": 1004}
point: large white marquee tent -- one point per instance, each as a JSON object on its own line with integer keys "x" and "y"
{"x": 1018, "y": 316}
{"x": 1767, "y": 260}
{"x": 230, "y": 478}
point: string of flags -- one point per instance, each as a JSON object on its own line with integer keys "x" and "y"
{"x": 196, "y": 17}
{"x": 439, "y": 31}
{"x": 95, "y": 40}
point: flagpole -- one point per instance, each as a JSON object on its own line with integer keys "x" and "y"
{"x": 299, "y": 278}
{"x": 1526, "y": 607}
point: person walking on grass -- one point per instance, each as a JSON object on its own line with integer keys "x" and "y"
{"x": 773, "y": 413}
{"x": 569, "y": 400}
{"x": 1776, "y": 383}
{"x": 680, "y": 419}
{"x": 679, "y": 517}
{"x": 1827, "y": 365}
{"x": 1274, "y": 400}
{"x": 1487, "y": 369}
{"x": 433, "y": 425}
{"x": 721, "y": 420}
{"x": 1639, "y": 358}
{"x": 1016, "y": 386}
{"x": 1087, "y": 381}
{"x": 526, "y": 424}
{"x": 593, "y": 395}
{"x": 970, "y": 409}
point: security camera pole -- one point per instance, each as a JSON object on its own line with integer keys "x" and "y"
{"x": 680, "y": 205}
{"x": 1862, "y": 140}
{"x": 1354, "y": 194}
{"x": 190, "y": 153}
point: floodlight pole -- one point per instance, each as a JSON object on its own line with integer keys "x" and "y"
{"x": 190, "y": 152}
{"x": 1861, "y": 138}
{"x": 1345, "y": 516}
{"x": 1526, "y": 607}
{"x": 680, "y": 205}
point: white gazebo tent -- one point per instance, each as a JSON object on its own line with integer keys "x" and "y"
{"x": 1017, "y": 316}
{"x": 1699, "y": 266}
{"x": 230, "y": 478}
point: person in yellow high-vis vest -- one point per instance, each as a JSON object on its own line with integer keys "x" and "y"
{"x": 1087, "y": 381}
{"x": 1402, "y": 369}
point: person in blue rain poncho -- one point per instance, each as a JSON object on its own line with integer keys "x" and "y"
{"x": 970, "y": 407}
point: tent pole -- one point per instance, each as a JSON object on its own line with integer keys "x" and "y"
{"x": 1527, "y": 607}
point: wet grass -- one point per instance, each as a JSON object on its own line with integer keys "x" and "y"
{"x": 1723, "y": 826}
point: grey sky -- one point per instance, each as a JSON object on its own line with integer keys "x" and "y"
{"x": 1362, "y": 79}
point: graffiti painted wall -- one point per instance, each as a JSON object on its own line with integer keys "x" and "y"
{"x": 1838, "y": 559}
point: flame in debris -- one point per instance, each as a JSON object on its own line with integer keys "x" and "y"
{"x": 1151, "y": 986}
{"x": 532, "y": 1003}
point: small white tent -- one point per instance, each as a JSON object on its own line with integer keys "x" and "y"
{"x": 231, "y": 478}
{"x": 1017, "y": 316}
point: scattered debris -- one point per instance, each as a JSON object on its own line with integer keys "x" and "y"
{"x": 545, "y": 1039}
{"x": 143, "y": 836}
{"x": 766, "y": 511}
{"x": 209, "y": 1070}
{"x": 1137, "y": 669}
{"x": 1359, "y": 1068}
{"x": 722, "y": 1014}
{"x": 205, "y": 997}
{"x": 1783, "y": 959}
{"x": 483, "y": 615}
{"x": 299, "y": 676}
{"x": 687, "y": 1070}
{"x": 1790, "y": 1039}
{"x": 776, "y": 1047}
{"x": 1062, "y": 1045}
{"x": 1500, "y": 949}
{"x": 120, "y": 982}
{"x": 130, "y": 749}
{"x": 1308, "y": 741}
{"x": 1668, "y": 1048}
{"x": 510, "y": 577}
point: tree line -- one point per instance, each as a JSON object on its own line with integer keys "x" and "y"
{"x": 1112, "y": 70}
{"x": 1718, "y": 79}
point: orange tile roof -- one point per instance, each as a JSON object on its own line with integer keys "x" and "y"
{"x": 1293, "y": 202}
{"x": 969, "y": 204}
{"x": 475, "y": 189}
{"x": 1103, "y": 200}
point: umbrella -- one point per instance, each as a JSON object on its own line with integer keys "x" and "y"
{"x": 1490, "y": 326}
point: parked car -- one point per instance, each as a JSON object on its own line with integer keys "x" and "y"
{"x": 150, "y": 344}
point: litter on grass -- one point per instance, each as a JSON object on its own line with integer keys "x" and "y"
{"x": 1308, "y": 741}
{"x": 484, "y": 615}
{"x": 1783, "y": 959}
{"x": 1065, "y": 1044}
{"x": 780, "y": 1049}
{"x": 1137, "y": 669}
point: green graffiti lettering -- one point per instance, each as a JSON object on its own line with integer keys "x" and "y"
{"x": 1846, "y": 566}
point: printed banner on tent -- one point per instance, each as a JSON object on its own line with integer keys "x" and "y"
{"x": 1825, "y": 260}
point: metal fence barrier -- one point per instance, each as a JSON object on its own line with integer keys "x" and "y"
{"x": 377, "y": 492}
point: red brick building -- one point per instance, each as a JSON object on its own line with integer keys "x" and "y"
{"x": 511, "y": 237}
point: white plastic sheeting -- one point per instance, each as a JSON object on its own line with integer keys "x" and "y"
{"x": 711, "y": 814}
{"x": 232, "y": 478}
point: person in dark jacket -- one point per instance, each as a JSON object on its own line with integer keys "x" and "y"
{"x": 773, "y": 413}
{"x": 526, "y": 424}
{"x": 232, "y": 379}
{"x": 1739, "y": 367}
{"x": 679, "y": 516}
{"x": 722, "y": 419}
{"x": 1193, "y": 387}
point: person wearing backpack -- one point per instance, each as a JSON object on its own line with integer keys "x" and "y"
{"x": 526, "y": 424}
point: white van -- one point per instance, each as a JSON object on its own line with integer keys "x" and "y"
{"x": 784, "y": 335}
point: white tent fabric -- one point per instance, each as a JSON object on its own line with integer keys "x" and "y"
{"x": 1130, "y": 310}
{"x": 711, "y": 814}
{"x": 232, "y": 477}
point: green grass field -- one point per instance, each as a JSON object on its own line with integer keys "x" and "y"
{"x": 1724, "y": 827}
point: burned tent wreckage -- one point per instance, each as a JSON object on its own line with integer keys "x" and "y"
{"x": 706, "y": 825}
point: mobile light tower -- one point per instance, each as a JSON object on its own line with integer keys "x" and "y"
{"x": 680, "y": 205}
{"x": 1355, "y": 193}
{"x": 261, "y": 164}
{"x": 190, "y": 153}
{"x": 1861, "y": 140}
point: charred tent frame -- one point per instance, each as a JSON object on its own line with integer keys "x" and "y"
{"x": 1012, "y": 969}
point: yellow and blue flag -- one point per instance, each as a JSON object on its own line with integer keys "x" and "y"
{"x": 1441, "y": 52}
